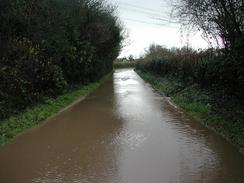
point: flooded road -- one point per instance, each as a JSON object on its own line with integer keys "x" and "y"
{"x": 122, "y": 133}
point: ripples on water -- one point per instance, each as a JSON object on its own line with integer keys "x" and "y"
{"x": 123, "y": 133}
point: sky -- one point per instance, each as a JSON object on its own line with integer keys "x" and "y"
{"x": 147, "y": 22}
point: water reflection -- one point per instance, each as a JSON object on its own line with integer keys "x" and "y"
{"x": 123, "y": 133}
{"x": 76, "y": 146}
{"x": 173, "y": 147}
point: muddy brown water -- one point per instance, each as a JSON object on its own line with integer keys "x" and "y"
{"x": 124, "y": 132}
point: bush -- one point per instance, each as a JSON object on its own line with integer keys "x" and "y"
{"x": 209, "y": 68}
{"x": 28, "y": 77}
{"x": 50, "y": 45}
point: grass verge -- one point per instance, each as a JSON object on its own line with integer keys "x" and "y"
{"x": 225, "y": 118}
{"x": 34, "y": 115}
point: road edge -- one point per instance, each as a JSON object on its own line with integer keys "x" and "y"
{"x": 37, "y": 115}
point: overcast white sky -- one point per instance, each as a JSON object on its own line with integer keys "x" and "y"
{"x": 140, "y": 18}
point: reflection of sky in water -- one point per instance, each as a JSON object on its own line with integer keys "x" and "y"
{"x": 124, "y": 133}
{"x": 155, "y": 129}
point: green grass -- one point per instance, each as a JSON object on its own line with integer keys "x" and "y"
{"x": 204, "y": 106}
{"x": 33, "y": 116}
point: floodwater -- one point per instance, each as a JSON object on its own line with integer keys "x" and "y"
{"x": 122, "y": 133}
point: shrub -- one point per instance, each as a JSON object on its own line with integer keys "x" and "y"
{"x": 28, "y": 77}
{"x": 49, "y": 45}
{"x": 209, "y": 68}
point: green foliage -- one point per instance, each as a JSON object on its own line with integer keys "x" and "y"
{"x": 32, "y": 116}
{"x": 204, "y": 83}
{"x": 48, "y": 46}
{"x": 224, "y": 117}
{"x": 222, "y": 21}
{"x": 209, "y": 68}
{"x": 26, "y": 76}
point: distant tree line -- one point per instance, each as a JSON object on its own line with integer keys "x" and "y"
{"x": 221, "y": 21}
{"x": 50, "y": 46}
{"x": 129, "y": 62}
{"x": 126, "y": 59}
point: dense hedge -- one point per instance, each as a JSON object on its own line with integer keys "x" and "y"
{"x": 47, "y": 46}
{"x": 210, "y": 68}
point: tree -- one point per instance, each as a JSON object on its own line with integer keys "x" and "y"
{"x": 49, "y": 46}
{"x": 224, "y": 20}
{"x": 131, "y": 58}
{"x": 217, "y": 18}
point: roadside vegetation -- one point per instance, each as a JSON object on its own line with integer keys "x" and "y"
{"x": 32, "y": 116}
{"x": 220, "y": 115}
{"x": 207, "y": 83}
{"x": 198, "y": 83}
{"x": 49, "y": 48}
